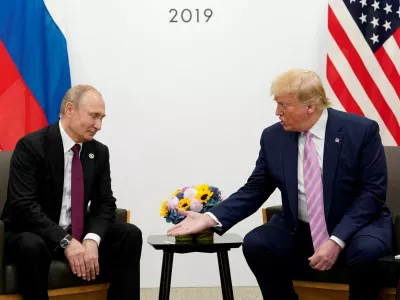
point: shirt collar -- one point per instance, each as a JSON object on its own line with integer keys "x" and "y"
{"x": 319, "y": 128}
{"x": 68, "y": 143}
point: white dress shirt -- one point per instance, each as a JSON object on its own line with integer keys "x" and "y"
{"x": 65, "y": 216}
{"x": 318, "y": 137}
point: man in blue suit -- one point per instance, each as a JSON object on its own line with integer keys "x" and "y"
{"x": 330, "y": 167}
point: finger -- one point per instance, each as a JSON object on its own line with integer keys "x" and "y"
{"x": 91, "y": 271}
{"x": 92, "y": 268}
{"x": 313, "y": 260}
{"x": 97, "y": 266}
{"x": 330, "y": 265}
{"x": 88, "y": 267}
{"x": 77, "y": 268}
{"x": 182, "y": 212}
{"x": 72, "y": 265}
{"x": 174, "y": 228}
{"x": 181, "y": 231}
{"x": 178, "y": 230}
{"x": 82, "y": 267}
{"x": 319, "y": 266}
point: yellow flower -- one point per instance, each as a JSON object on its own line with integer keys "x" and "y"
{"x": 176, "y": 192}
{"x": 203, "y": 193}
{"x": 184, "y": 204}
{"x": 164, "y": 210}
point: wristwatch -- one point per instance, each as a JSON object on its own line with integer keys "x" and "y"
{"x": 65, "y": 241}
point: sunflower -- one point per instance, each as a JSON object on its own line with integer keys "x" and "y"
{"x": 184, "y": 204}
{"x": 164, "y": 210}
{"x": 203, "y": 193}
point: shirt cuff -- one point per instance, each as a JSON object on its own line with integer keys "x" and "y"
{"x": 93, "y": 236}
{"x": 215, "y": 219}
{"x": 338, "y": 241}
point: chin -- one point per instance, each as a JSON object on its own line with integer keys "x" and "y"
{"x": 88, "y": 138}
{"x": 288, "y": 128}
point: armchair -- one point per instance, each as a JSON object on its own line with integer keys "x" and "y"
{"x": 63, "y": 284}
{"x": 333, "y": 284}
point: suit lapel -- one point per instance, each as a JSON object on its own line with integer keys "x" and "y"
{"x": 56, "y": 158}
{"x": 290, "y": 158}
{"x": 88, "y": 166}
{"x": 333, "y": 143}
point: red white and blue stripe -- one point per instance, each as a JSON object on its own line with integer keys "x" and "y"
{"x": 34, "y": 69}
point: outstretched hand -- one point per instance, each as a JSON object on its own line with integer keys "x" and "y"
{"x": 193, "y": 223}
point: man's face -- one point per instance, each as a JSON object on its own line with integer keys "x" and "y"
{"x": 292, "y": 113}
{"x": 86, "y": 119}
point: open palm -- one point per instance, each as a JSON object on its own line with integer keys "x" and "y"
{"x": 193, "y": 223}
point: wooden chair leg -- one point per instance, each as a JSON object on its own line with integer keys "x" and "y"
{"x": 398, "y": 290}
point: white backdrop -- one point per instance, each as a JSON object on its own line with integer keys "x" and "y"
{"x": 186, "y": 102}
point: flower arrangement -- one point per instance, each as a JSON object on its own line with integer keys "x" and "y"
{"x": 199, "y": 198}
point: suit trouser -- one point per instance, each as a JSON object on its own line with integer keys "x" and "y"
{"x": 275, "y": 254}
{"x": 119, "y": 260}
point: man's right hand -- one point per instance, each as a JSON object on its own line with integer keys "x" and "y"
{"x": 193, "y": 223}
{"x": 75, "y": 253}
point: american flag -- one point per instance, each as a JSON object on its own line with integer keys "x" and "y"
{"x": 363, "y": 62}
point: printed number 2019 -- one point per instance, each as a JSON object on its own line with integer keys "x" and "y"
{"x": 187, "y": 15}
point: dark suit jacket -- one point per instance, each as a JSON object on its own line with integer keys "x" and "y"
{"x": 36, "y": 186}
{"x": 354, "y": 179}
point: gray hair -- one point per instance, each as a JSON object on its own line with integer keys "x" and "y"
{"x": 75, "y": 95}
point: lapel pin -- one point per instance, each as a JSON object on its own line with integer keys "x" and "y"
{"x": 91, "y": 155}
{"x": 337, "y": 140}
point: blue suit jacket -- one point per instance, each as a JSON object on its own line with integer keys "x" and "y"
{"x": 354, "y": 179}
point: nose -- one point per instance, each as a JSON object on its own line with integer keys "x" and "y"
{"x": 278, "y": 112}
{"x": 97, "y": 124}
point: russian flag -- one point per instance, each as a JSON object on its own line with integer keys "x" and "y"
{"x": 34, "y": 69}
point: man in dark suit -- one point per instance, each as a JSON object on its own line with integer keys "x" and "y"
{"x": 54, "y": 174}
{"x": 331, "y": 170}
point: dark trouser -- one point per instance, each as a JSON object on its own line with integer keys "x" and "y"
{"x": 274, "y": 253}
{"x": 119, "y": 259}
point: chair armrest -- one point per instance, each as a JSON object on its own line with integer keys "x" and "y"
{"x": 121, "y": 216}
{"x": 396, "y": 234}
{"x": 1, "y": 257}
{"x": 270, "y": 211}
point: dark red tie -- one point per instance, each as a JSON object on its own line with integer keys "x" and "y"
{"x": 77, "y": 192}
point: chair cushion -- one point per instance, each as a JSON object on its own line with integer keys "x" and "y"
{"x": 60, "y": 276}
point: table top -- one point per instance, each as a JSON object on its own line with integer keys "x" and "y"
{"x": 390, "y": 259}
{"x": 220, "y": 243}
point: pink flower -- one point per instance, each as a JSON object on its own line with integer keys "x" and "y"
{"x": 190, "y": 193}
{"x": 195, "y": 205}
{"x": 184, "y": 189}
{"x": 173, "y": 203}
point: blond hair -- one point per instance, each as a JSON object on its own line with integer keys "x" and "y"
{"x": 75, "y": 95}
{"x": 304, "y": 84}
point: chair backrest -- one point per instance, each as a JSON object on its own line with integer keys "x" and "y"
{"x": 393, "y": 191}
{"x": 5, "y": 157}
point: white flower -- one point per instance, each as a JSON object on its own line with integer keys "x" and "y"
{"x": 190, "y": 193}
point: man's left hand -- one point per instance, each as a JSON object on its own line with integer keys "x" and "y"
{"x": 325, "y": 256}
{"x": 92, "y": 253}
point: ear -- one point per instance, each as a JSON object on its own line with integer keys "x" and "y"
{"x": 69, "y": 108}
{"x": 311, "y": 107}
